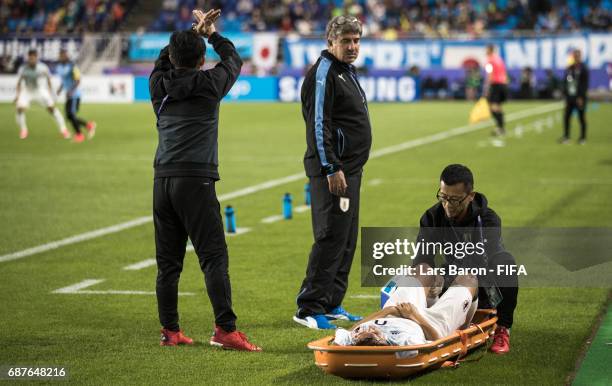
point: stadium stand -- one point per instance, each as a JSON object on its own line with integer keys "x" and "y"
{"x": 392, "y": 19}
{"x": 108, "y": 29}
{"x": 62, "y": 17}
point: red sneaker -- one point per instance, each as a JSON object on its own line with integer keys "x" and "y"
{"x": 173, "y": 338}
{"x": 78, "y": 138}
{"x": 91, "y": 129}
{"x": 501, "y": 341}
{"x": 234, "y": 340}
{"x": 23, "y": 134}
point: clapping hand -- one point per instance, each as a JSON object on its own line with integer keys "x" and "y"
{"x": 205, "y": 21}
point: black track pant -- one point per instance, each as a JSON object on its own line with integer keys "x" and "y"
{"x": 570, "y": 106}
{"x": 72, "y": 108}
{"x": 188, "y": 206}
{"x": 508, "y": 286}
{"x": 335, "y": 238}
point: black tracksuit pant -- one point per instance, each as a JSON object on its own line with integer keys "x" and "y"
{"x": 508, "y": 287}
{"x": 335, "y": 238}
{"x": 188, "y": 206}
{"x": 571, "y": 105}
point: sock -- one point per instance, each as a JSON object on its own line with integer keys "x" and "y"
{"x": 499, "y": 119}
{"x": 21, "y": 120}
{"x": 59, "y": 119}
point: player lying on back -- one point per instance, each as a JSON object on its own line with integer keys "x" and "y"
{"x": 30, "y": 74}
{"x": 405, "y": 319}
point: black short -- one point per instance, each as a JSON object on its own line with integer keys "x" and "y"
{"x": 498, "y": 93}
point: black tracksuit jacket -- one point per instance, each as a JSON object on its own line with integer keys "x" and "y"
{"x": 435, "y": 226}
{"x": 576, "y": 82}
{"x": 335, "y": 110}
{"x": 186, "y": 102}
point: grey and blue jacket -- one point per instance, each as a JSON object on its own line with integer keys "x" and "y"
{"x": 186, "y": 103}
{"x": 335, "y": 110}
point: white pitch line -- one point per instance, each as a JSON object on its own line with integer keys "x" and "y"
{"x": 301, "y": 208}
{"x": 271, "y": 219}
{"x": 76, "y": 239}
{"x": 239, "y": 231}
{"x": 279, "y": 217}
{"x": 118, "y": 292}
{"x": 72, "y": 289}
{"x": 78, "y": 289}
{"x": 279, "y": 181}
{"x": 461, "y": 130}
{"x": 375, "y": 181}
{"x": 365, "y": 296}
{"x": 140, "y": 265}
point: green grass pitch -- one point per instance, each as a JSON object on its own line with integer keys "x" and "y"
{"x": 51, "y": 189}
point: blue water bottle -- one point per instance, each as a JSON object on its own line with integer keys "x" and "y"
{"x": 307, "y": 194}
{"x": 287, "y": 207}
{"x": 230, "y": 219}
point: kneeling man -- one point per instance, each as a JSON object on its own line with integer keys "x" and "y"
{"x": 405, "y": 319}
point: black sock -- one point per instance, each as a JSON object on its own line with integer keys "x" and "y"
{"x": 499, "y": 119}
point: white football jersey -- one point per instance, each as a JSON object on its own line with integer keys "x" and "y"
{"x": 31, "y": 75}
{"x": 397, "y": 331}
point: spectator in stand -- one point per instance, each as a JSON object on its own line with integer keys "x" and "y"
{"x": 551, "y": 86}
{"x": 527, "y": 85}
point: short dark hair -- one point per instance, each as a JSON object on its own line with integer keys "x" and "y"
{"x": 370, "y": 341}
{"x": 455, "y": 174}
{"x": 32, "y": 51}
{"x": 186, "y": 48}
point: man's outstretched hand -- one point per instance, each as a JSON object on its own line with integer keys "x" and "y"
{"x": 205, "y": 21}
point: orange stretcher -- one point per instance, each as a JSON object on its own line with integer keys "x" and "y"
{"x": 402, "y": 361}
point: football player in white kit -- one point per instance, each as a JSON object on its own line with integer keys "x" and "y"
{"x": 30, "y": 74}
{"x": 406, "y": 320}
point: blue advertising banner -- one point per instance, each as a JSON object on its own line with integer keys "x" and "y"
{"x": 537, "y": 53}
{"x": 247, "y": 88}
{"x": 392, "y": 88}
{"x": 145, "y": 47}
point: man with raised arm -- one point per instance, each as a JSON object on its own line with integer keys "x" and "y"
{"x": 186, "y": 103}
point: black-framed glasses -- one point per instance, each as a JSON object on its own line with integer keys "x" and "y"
{"x": 453, "y": 201}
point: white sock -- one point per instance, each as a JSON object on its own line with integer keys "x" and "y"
{"x": 59, "y": 119}
{"x": 21, "y": 120}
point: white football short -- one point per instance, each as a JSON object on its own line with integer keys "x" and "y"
{"x": 41, "y": 96}
{"x": 446, "y": 315}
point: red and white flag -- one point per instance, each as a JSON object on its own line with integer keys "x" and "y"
{"x": 265, "y": 50}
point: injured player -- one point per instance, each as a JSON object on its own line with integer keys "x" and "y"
{"x": 406, "y": 320}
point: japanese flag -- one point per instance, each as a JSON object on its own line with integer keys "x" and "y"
{"x": 265, "y": 50}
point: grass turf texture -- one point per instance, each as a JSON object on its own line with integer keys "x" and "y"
{"x": 51, "y": 189}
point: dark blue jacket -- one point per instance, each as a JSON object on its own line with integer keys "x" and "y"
{"x": 335, "y": 110}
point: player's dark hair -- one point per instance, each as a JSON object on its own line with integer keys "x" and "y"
{"x": 32, "y": 51}
{"x": 455, "y": 174}
{"x": 369, "y": 341}
{"x": 186, "y": 48}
